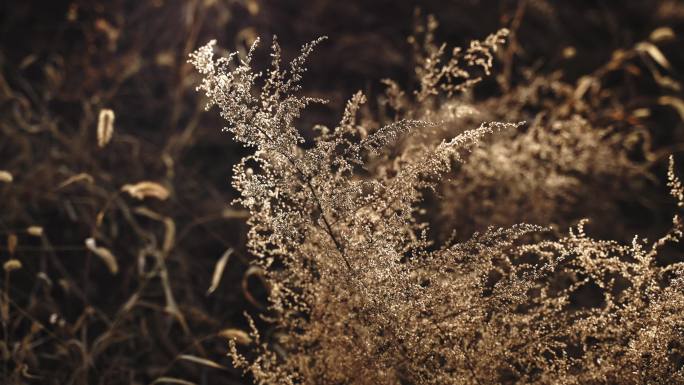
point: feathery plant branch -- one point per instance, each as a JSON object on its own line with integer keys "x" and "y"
{"x": 399, "y": 309}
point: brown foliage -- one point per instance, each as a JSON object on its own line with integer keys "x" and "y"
{"x": 123, "y": 264}
{"x": 358, "y": 292}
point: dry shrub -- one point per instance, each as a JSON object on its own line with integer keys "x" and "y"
{"x": 112, "y": 230}
{"x": 358, "y": 292}
{"x": 586, "y": 152}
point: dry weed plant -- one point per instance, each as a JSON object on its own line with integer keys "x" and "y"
{"x": 121, "y": 263}
{"x": 583, "y": 154}
{"x": 358, "y": 292}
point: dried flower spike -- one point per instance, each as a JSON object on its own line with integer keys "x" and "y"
{"x": 146, "y": 189}
{"x": 105, "y": 127}
{"x": 35, "y": 231}
{"x": 104, "y": 254}
{"x": 6, "y": 176}
{"x": 11, "y": 265}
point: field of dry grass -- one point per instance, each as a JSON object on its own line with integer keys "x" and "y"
{"x": 125, "y": 261}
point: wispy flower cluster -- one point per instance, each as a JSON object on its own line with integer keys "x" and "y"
{"x": 360, "y": 295}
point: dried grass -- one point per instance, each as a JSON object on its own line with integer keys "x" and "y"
{"x": 64, "y": 158}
